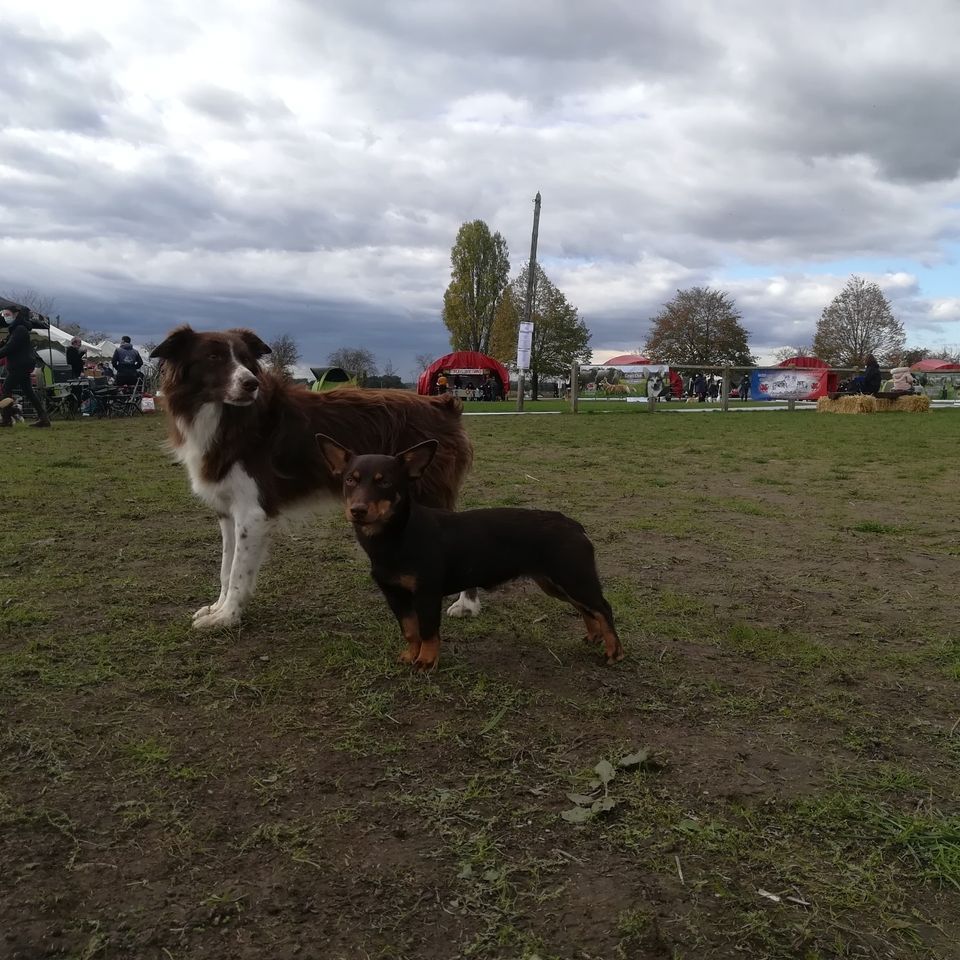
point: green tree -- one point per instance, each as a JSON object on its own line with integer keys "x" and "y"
{"x": 479, "y": 268}
{"x": 858, "y": 322}
{"x": 559, "y": 335}
{"x": 699, "y": 326}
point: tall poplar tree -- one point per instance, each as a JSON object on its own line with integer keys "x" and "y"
{"x": 479, "y": 268}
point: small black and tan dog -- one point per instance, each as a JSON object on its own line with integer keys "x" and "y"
{"x": 420, "y": 554}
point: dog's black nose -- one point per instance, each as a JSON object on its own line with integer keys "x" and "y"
{"x": 358, "y": 511}
{"x": 250, "y": 384}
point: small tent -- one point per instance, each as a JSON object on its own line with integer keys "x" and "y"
{"x": 329, "y": 378}
{"x": 467, "y": 363}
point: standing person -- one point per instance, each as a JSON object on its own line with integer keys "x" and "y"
{"x": 700, "y": 387}
{"x": 442, "y": 383}
{"x": 127, "y": 362}
{"x": 75, "y": 357}
{"x": 744, "y": 389}
{"x": 21, "y": 363}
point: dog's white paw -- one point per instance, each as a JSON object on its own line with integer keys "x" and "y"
{"x": 464, "y": 606}
{"x": 206, "y": 611}
{"x": 217, "y": 620}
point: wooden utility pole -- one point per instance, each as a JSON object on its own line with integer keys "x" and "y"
{"x": 531, "y": 279}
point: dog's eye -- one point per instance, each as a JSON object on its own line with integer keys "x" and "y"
{"x": 384, "y": 483}
{"x": 349, "y": 482}
{"x": 213, "y": 356}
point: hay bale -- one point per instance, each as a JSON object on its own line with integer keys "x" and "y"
{"x": 915, "y": 403}
{"x": 854, "y": 403}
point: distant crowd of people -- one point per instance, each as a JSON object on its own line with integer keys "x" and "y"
{"x": 19, "y": 359}
{"x": 488, "y": 387}
{"x": 124, "y": 368}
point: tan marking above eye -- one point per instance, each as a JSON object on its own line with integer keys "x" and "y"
{"x": 356, "y": 474}
{"x": 378, "y": 476}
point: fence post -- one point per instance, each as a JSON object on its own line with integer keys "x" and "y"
{"x": 791, "y": 404}
{"x": 574, "y": 386}
{"x": 725, "y": 388}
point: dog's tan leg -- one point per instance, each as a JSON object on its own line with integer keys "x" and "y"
{"x": 611, "y": 642}
{"x": 594, "y": 627}
{"x": 429, "y": 654}
{"x": 411, "y": 633}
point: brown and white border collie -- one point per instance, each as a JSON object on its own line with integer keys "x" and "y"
{"x": 246, "y": 437}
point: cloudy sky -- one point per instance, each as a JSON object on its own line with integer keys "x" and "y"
{"x": 303, "y": 166}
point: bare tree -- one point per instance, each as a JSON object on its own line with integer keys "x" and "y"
{"x": 91, "y": 336}
{"x": 39, "y": 303}
{"x": 356, "y": 360}
{"x": 284, "y": 353}
{"x": 787, "y": 353}
{"x": 856, "y": 323}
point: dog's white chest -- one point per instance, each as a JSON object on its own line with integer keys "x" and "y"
{"x": 198, "y": 436}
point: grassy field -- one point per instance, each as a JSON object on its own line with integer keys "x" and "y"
{"x": 772, "y": 772}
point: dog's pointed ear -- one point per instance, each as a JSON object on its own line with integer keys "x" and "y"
{"x": 337, "y": 456}
{"x": 416, "y": 459}
{"x": 256, "y": 345}
{"x": 177, "y": 343}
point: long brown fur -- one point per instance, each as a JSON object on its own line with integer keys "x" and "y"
{"x": 274, "y": 441}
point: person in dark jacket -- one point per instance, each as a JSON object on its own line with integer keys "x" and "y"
{"x": 75, "y": 355}
{"x": 21, "y": 362}
{"x": 744, "y": 389}
{"x": 871, "y": 376}
{"x": 127, "y": 362}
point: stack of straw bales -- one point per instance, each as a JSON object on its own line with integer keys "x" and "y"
{"x": 860, "y": 403}
{"x": 855, "y": 403}
{"x": 914, "y": 403}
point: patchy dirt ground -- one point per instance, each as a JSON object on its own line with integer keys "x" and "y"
{"x": 772, "y": 772}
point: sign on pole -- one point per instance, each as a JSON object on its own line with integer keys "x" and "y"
{"x": 524, "y": 342}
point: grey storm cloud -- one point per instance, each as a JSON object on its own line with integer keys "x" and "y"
{"x": 308, "y": 165}
{"x": 53, "y": 83}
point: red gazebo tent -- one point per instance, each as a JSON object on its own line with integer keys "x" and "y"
{"x": 462, "y": 360}
{"x": 626, "y": 358}
{"x": 933, "y": 365}
{"x": 804, "y": 363}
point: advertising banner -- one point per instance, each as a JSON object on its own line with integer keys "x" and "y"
{"x": 781, "y": 383}
{"x": 524, "y": 340}
{"x": 630, "y": 372}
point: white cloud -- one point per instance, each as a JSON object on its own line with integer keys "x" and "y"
{"x": 328, "y": 153}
